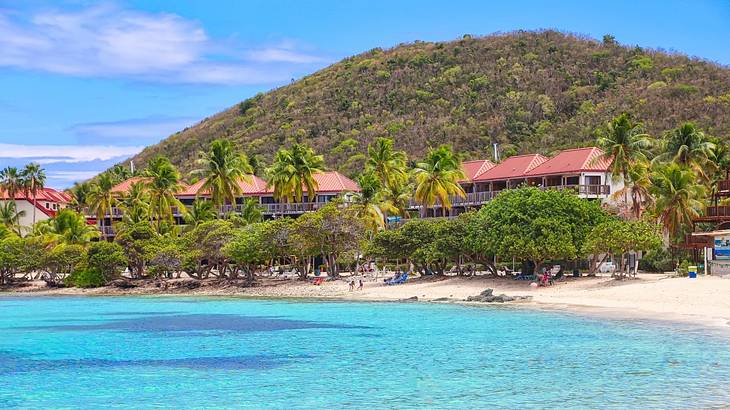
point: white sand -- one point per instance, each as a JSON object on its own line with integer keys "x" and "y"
{"x": 705, "y": 300}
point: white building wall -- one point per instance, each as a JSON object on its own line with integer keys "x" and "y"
{"x": 606, "y": 179}
{"x": 26, "y": 221}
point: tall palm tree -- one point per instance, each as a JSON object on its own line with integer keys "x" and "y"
{"x": 136, "y": 204}
{"x": 162, "y": 184}
{"x": 11, "y": 181}
{"x": 10, "y": 216}
{"x": 387, "y": 164}
{"x": 35, "y": 179}
{"x": 637, "y": 187}
{"x": 201, "y": 211}
{"x": 395, "y": 199}
{"x": 80, "y": 195}
{"x": 251, "y": 212}
{"x": 368, "y": 202}
{"x": 293, "y": 172}
{"x": 624, "y": 143}
{"x": 678, "y": 198}
{"x": 437, "y": 177}
{"x": 223, "y": 169}
{"x": 101, "y": 199}
{"x": 688, "y": 146}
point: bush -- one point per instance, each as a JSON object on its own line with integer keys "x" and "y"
{"x": 106, "y": 258}
{"x": 659, "y": 260}
{"x": 85, "y": 278}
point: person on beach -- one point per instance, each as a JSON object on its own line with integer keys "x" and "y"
{"x": 361, "y": 285}
{"x": 352, "y": 285}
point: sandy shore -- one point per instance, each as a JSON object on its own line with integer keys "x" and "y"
{"x": 705, "y": 300}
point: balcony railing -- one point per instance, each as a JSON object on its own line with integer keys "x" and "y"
{"x": 723, "y": 187}
{"x": 480, "y": 198}
{"x": 717, "y": 212}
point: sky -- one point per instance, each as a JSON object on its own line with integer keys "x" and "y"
{"x": 86, "y": 84}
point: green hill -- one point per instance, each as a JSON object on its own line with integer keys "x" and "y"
{"x": 529, "y": 91}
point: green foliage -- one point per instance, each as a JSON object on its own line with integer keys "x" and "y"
{"x": 11, "y": 257}
{"x": 396, "y": 92}
{"x": 535, "y": 224}
{"x": 250, "y": 248}
{"x": 104, "y": 259}
{"x": 133, "y": 240}
{"x": 86, "y": 278}
{"x": 164, "y": 256}
{"x": 617, "y": 237}
{"x": 204, "y": 248}
{"x": 657, "y": 260}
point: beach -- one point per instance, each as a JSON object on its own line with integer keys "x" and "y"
{"x": 704, "y": 300}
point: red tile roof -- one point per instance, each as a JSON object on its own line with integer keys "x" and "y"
{"x": 253, "y": 187}
{"x": 512, "y": 167}
{"x": 473, "y": 169}
{"x": 124, "y": 186}
{"x": 573, "y": 161}
{"x": 333, "y": 181}
{"x": 46, "y": 194}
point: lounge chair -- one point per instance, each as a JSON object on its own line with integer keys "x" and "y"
{"x": 523, "y": 276}
{"x": 399, "y": 280}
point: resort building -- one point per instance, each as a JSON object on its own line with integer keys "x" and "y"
{"x": 330, "y": 185}
{"x": 47, "y": 203}
{"x": 582, "y": 170}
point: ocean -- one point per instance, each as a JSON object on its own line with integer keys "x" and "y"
{"x": 214, "y": 353}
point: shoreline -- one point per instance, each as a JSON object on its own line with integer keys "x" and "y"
{"x": 704, "y": 301}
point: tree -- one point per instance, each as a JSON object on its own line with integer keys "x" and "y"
{"x": 617, "y": 237}
{"x": 163, "y": 182}
{"x": 133, "y": 239}
{"x": 250, "y": 249}
{"x": 395, "y": 199}
{"x": 293, "y": 172}
{"x": 62, "y": 260}
{"x": 11, "y": 256}
{"x": 67, "y": 227}
{"x": 367, "y": 202}
{"x": 107, "y": 259}
{"x": 34, "y": 178}
{"x": 101, "y": 199}
{"x": 535, "y": 225}
{"x": 80, "y": 194}
{"x": 202, "y": 210}
{"x": 11, "y": 181}
{"x": 388, "y": 165}
{"x": 688, "y": 146}
{"x": 223, "y": 169}
{"x": 437, "y": 178}
{"x": 637, "y": 188}
{"x": 204, "y": 249}
{"x": 678, "y": 198}
{"x": 136, "y": 204}
{"x": 624, "y": 144}
{"x": 251, "y": 212}
{"x": 10, "y": 216}
{"x": 165, "y": 256}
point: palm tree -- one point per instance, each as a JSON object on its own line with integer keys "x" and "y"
{"x": 101, "y": 199}
{"x": 437, "y": 178}
{"x": 251, "y": 212}
{"x": 678, "y": 197}
{"x": 388, "y": 165}
{"x": 10, "y": 216}
{"x": 293, "y": 172}
{"x": 11, "y": 181}
{"x": 624, "y": 143}
{"x": 35, "y": 178}
{"x": 637, "y": 187}
{"x": 120, "y": 173}
{"x": 68, "y": 227}
{"x": 368, "y": 202}
{"x": 80, "y": 195}
{"x": 395, "y": 199}
{"x": 201, "y": 211}
{"x": 162, "y": 184}
{"x": 136, "y": 204}
{"x": 687, "y": 145}
{"x": 223, "y": 169}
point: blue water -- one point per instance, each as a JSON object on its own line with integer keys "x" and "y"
{"x": 135, "y": 353}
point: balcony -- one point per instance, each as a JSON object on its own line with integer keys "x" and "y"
{"x": 715, "y": 214}
{"x": 723, "y": 187}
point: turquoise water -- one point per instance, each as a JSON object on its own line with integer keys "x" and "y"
{"x": 135, "y": 353}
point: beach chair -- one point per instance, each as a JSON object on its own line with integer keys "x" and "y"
{"x": 523, "y": 276}
{"x": 399, "y": 280}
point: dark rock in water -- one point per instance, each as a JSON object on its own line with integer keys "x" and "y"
{"x": 442, "y": 299}
{"x": 487, "y": 292}
{"x": 410, "y": 299}
{"x": 488, "y": 297}
{"x": 123, "y": 284}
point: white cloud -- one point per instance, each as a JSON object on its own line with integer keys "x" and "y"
{"x": 72, "y": 176}
{"x": 151, "y": 128}
{"x": 107, "y": 41}
{"x": 51, "y": 154}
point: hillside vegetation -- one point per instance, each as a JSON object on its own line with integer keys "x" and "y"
{"x": 528, "y": 91}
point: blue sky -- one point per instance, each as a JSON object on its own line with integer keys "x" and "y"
{"x": 86, "y": 84}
